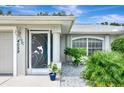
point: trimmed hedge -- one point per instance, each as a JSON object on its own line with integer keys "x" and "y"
{"x": 104, "y": 69}
{"x": 118, "y": 44}
{"x": 76, "y": 53}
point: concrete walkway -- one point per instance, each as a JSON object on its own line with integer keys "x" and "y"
{"x": 28, "y": 81}
{"x": 71, "y": 76}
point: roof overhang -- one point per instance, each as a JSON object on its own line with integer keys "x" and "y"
{"x": 96, "y": 29}
{"x": 65, "y": 21}
{"x": 110, "y": 32}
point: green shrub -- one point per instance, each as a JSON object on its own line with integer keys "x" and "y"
{"x": 84, "y": 59}
{"x": 76, "y": 53}
{"x": 118, "y": 44}
{"x": 53, "y": 68}
{"x": 104, "y": 69}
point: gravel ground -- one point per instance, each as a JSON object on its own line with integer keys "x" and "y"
{"x": 71, "y": 76}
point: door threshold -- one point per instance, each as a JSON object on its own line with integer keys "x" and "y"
{"x": 37, "y": 74}
{"x": 38, "y": 71}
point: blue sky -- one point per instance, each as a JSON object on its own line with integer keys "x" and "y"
{"x": 84, "y": 13}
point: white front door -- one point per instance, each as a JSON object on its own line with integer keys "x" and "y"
{"x": 39, "y": 52}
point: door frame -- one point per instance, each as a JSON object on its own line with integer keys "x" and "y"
{"x": 30, "y": 70}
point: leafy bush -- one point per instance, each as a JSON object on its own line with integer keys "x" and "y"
{"x": 53, "y": 68}
{"x": 118, "y": 44}
{"x": 76, "y": 53}
{"x": 84, "y": 59}
{"x": 104, "y": 69}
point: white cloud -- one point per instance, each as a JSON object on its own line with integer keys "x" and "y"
{"x": 26, "y": 12}
{"x": 19, "y": 6}
{"x": 74, "y": 9}
{"x": 102, "y": 8}
{"x": 109, "y": 18}
{"x": 12, "y": 6}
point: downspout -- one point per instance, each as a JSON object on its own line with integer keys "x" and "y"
{"x": 71, "y": 25}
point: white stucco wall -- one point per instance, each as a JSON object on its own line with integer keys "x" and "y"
{"x": 21, "y": 55}
{"x": 62, "y": 47}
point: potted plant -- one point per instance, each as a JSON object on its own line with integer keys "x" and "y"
{"x": 53, "y": 71}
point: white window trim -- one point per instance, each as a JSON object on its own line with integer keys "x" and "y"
{"x": 93, "y": 37}
{"x": 100, "y": 38}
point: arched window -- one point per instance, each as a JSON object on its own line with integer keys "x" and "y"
{"x": 91, "y": 44}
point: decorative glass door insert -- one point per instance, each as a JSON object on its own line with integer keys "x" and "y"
{"x": 39, "y": 57}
